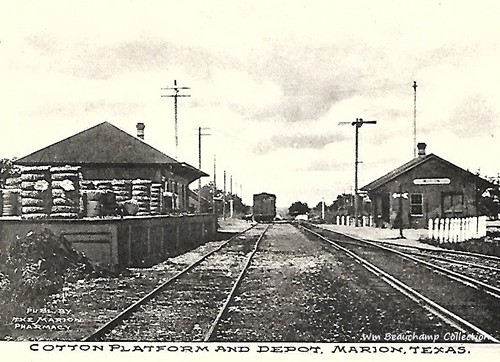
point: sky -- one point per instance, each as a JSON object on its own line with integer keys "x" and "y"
{"x": 270, "y": 80}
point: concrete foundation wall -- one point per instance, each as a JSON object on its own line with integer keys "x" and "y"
{"x": 127, "y": 242}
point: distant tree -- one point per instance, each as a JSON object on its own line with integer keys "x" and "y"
{"x": 318, "y": 206}
{"x": 489, "y": 203}
{"x": 207, "y": 191}
{"x": 343, "y": 205}
{"x": 238, "y": 206}
{"x": 298, "y": 208}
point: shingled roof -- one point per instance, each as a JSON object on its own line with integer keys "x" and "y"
{"x": 414, "y": 163}
{"x": 101, "y": 144}
{"x": 106, "y": 144}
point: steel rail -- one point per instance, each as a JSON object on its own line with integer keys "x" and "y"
{"x": 441, "y": 250}
{"x": 490, "y": 289}
{"x": 225, "y": 306}
{"x": 101, "y": 331}
{"x": 460, "y": 262}
{"x": 445, "y": 251}
{"x": 434, "y": 307}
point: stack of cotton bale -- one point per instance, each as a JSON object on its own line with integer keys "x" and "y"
{"x": 106, "y": 197}
{"x": 155, "y": 198}
{"x": 13, "y": 183}
{"x": 141, "y": 193}
{"x": 122, "y": 190}
{"x": 87, "y": 185}
{"x": 66, "y": 192}
{"x": 36, "y": 197}
{"x": 11, "y": 196}
{"x": 92, "y": 199}
{"x": 103, "y": 185}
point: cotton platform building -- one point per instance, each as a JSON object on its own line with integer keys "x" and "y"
{"x": 425, "y": 187}
{"x": 106, "y": 158}
{"x": 105, "y": 152}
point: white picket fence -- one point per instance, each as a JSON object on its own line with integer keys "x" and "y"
{"x": 455, "y": 230}
{"x": 346, "y": 220}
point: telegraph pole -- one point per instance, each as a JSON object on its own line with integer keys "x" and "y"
{"x": 224, "y": 198}
{"x": 414, "y": 119}
{"x": 176, "y": 94}
{"x": 357, "y": 123}
{"x": 231, "y": 201}
{"x": 214, "y": 187}
{"x": 199, "y": 162}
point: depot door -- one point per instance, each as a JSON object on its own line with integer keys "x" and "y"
{"x": 385, "y": 207}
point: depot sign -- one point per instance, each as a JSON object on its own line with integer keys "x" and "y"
{"x": 431, "y": 181}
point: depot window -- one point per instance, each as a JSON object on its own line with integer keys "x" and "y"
{"x": 453, "y": 203}
{"x": 417, "y": 204}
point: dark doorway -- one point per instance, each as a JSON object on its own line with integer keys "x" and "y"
{"x": 385, "y": 207}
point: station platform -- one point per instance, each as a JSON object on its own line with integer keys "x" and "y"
{"x": 411, "y": 236}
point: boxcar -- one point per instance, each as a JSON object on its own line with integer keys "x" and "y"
{"x": 264, "y": 207}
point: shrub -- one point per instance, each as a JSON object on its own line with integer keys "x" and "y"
{"x": 37, "y": 265}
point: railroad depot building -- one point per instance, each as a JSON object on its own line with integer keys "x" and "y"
{"x": 425, "y": 187}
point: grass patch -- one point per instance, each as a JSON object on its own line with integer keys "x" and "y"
{"x": 487, "y": 245}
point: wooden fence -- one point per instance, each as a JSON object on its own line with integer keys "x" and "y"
{"x": 456, "y": 230}
{"x": 347, "y": 220}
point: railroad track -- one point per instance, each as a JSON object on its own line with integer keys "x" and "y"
{"x": 469, "y": 305}
{"x": 484, "y": 268}
{"x": 204, "y": 288}
{"x": 481, "y": 270}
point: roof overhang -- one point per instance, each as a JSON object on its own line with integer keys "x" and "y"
{"x": 187, "y": 171}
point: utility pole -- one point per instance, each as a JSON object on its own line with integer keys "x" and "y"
{"x": 224, "y": 198}
{"x": 176, "y": 94}
{"x": 214, "y": 186}
{"x": 231, "y": 200}
{"x": 357, "y": 123}
{"x": 199, "y": 162}
{"x": 400, "y": 214}
{"x": 414, "y": 119}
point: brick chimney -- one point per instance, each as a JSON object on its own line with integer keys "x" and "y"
{"x": 140, "y": 130}
{"x": 421, "y": 149}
